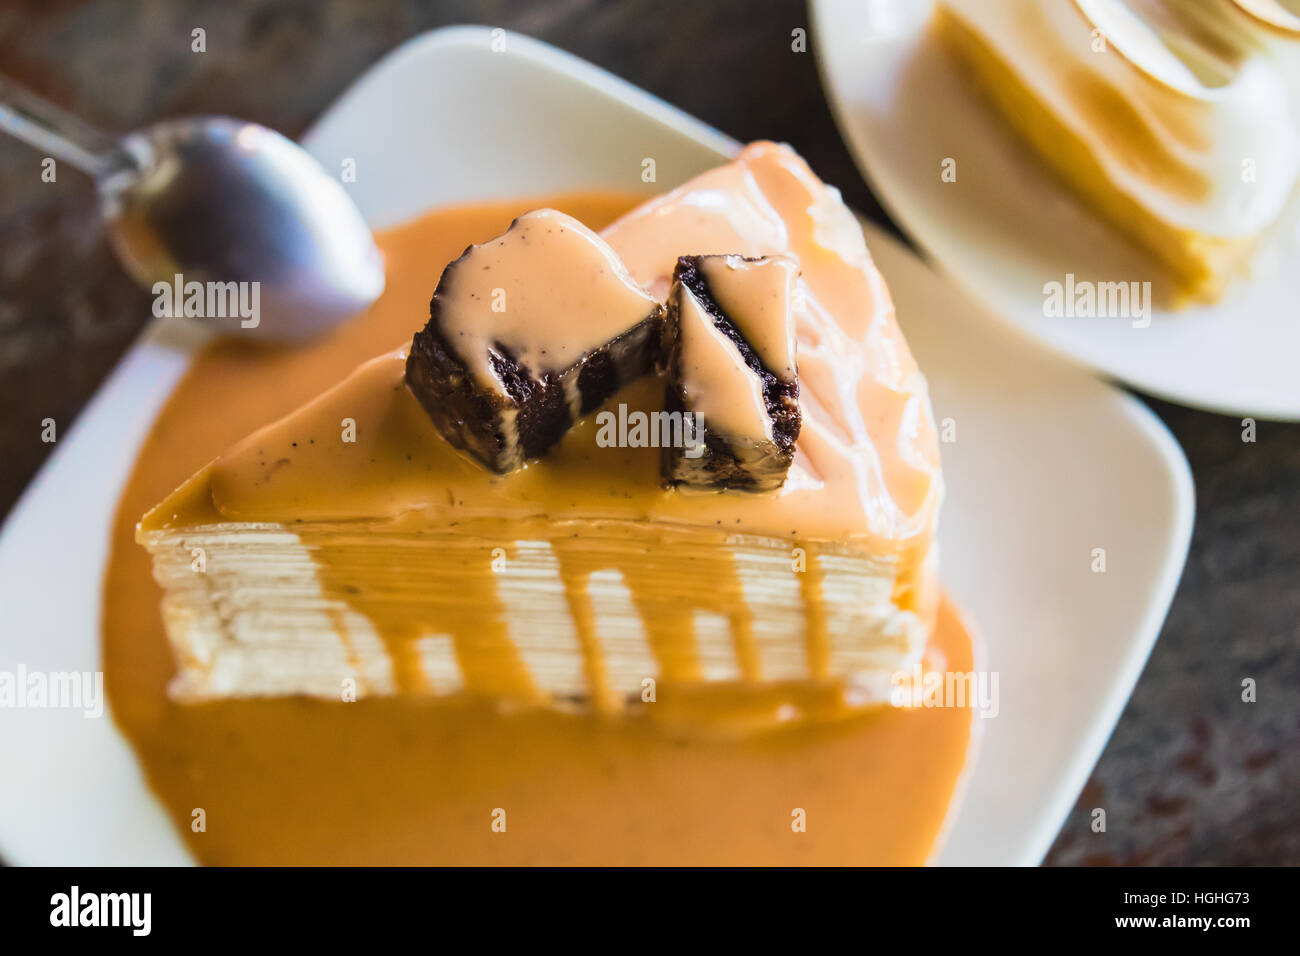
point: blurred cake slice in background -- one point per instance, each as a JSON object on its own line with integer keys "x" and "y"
{"x": 352, "y": 548}
{"x": 1175, "y": 130}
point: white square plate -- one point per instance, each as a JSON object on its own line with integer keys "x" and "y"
{"x": 1048, "y": 464}
{"x": 1006, "y": 226}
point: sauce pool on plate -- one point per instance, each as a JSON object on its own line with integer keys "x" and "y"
{"x": 406, "y": 780}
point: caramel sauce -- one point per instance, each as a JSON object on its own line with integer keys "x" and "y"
{"x": 755, "y": 295}
{"x": 547, "y": 292}
{"x": 416, "y": 779}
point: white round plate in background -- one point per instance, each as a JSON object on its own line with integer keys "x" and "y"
{"x": 1006, "y": 227}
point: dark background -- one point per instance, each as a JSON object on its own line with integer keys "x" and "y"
{"x": 1191, "y": 776}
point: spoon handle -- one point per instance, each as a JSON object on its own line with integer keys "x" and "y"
{"x": 39, "y": 123}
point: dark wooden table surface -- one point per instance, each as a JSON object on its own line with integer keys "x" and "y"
{"x": 1192, "y": 774}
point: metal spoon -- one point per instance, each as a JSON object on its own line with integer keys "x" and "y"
{"x": 198, "y": 204}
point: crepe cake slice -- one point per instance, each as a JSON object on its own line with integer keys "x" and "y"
{"x": 394, "y": 564}
{"x": 731, "y": 367}
{"x": 526, "y": 333}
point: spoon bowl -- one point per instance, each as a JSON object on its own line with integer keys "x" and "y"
{"x": 213, "y": 201}
{"x": 225, "y": 221}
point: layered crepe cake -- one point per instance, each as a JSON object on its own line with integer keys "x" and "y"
{"x": 1175, "y": 120}
{"x": 487, "y": 511}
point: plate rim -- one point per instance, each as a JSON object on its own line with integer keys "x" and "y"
{"x": 1105, "y": 715}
